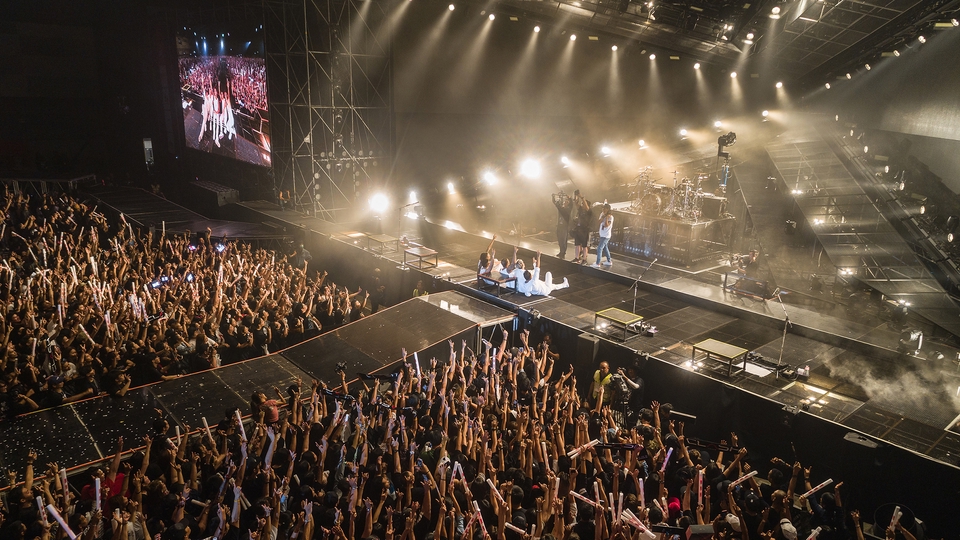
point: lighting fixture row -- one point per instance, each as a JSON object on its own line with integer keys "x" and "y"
{"x": 896, "y": 52}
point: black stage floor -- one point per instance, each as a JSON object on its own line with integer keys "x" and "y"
{"x": 857, "y": 378}
{"x": 77, "y": 434}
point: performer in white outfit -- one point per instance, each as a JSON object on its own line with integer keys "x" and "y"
{"x": 530, "y": 283}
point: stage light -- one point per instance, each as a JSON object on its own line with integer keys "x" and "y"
{"x": 849, "y": 76}
{"x": 451, "y": 7}
{"x": 573, "y": 37}
{"x": 886, "y": 168}
{"x": 642, "y": 143}
{"x": 817, "y": 221}
{"x": 949, "y": 237}
{"x": 413, "y": 196}
{"x": 565, "y": 160}
{"x": 867, "y": 67}
{"x": 923, "y": 209}
{"x": 696, "y": 65}
{"x": 955, "y": 22}
{"x": 733, "y": 74}
{"x": 901, "y": 186}
{"x": 866, "y": 149}
{"x": 606, "y": 150}
{"x": 896, "y": 52}
{"x": 775, "y": 12}
{"x": 922, "y": 39}
{"x": 827, "y": 86}
{"x": 717, "y": 124}
{"x": 750, "y": 35}
{"x": 379, "y": 203}
{"x": 653, "y": 56}
{"x": 765, "y": 113}
{"x": 614, "y": 48}
{"x": 536, "y": 29}
{"x": 492, "y": 17}
{"x": 530, "y": 168}
{"x": 489, "y": 178}
{"x": 450, "y": 188}
{"x": 683, "y": 132}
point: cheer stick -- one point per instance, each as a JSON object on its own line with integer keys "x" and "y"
{"x": 584, "y": 499}
{"x": 514, "y": 528}
{"x": 556, "y": 487}
{"x": 176, "y": 429}
{"x": 206, "y": 427}
{"x": 620, "y": 505}
{"x": 596, "y": 491}
{"x": 63, "y": 524}
{"x": 643, "y": 496}
{"x": 664, "y": 466}
{"x": 96, "y": 489}
{"x": 814, "y": 533}
{"x": 43, "y": 515}
{"x": 582, "y": 448}
{"x": 895, "y": 518}
{"x": 743, "y": 478}
{"x": 495, "y": 490}
{"x": 243, "y": 432}
{"x": 700, "y": 486}
{"x": 818, "y": 487}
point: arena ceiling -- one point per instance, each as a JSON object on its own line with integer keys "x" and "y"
{"x": 804, "y": 41}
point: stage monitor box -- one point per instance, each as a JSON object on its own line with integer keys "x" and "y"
{"x": 713, "y": 207}
{"x": 208, "y": 197}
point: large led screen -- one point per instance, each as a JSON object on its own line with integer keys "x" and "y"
{"x": 223, "y": 86}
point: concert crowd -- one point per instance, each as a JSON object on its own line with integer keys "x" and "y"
{"x": 499, "y": 443}
{"x": 94, "y": 306}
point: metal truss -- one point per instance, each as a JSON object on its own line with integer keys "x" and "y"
{"x": 329, "y": 71}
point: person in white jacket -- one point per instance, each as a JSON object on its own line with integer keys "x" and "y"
{"x": 531, "y": 284}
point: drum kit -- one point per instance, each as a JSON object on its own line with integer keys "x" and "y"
{"x": 684, "y": 201}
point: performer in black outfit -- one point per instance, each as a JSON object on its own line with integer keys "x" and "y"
{"x": 564, "y": 205}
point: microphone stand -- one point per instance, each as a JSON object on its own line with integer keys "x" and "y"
{"x": 786, "y": 325}
{"x": 636, "y": 284}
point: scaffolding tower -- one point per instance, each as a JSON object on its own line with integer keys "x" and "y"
{"x": 329, "y": 72}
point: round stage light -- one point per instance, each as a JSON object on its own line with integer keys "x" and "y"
{"x": 451, "y": 7}
{"x": 492, "y": 16}
{"x": 606, "y": 150}
{"x": 718, "y": 124}
{"x": 653, "y": 57}
{"x": 614, "y": 48}
{"x": 489, "y": 178}
{"x": 530, "y": 168}
{"x": 733, "y": 74}
{"x": 683, "y": 132}
{"x": 573, "y": 37}
{"x": 565, "y": 160}
{"x": 379, "y": 203}
{"x": 827, "y": 86}
{"x": 536, "y": 29}
{"x": 413, "y": 196}
{"x": 779, "y": 84}
{"x": 696, "y": 65}
{"x": 450, "y": 188}
{"x": 765, "y": 113}
{"x": 642, "y": 142}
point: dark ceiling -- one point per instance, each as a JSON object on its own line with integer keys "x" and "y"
{"x": 810, "y": 42}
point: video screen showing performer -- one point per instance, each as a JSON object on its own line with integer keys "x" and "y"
{"x": 223, "y": 88}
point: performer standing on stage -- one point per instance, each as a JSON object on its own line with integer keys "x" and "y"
{"x": 606, "y": 231}
{"x": 582, "y": 221}
{"x": 564, "y": 206}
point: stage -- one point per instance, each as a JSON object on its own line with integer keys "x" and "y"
{"x": 848, "y": 359}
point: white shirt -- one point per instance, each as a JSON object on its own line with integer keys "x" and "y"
{"x": 528, "y": 287}
{"x": 606, "y": 231}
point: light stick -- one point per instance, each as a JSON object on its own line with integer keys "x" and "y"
{"x": 163, "y": 230}
{"x": 818, "y": 487}
{"x": 643, "y": 496}
{"x": 620, "y": 505}
{"x": 579, "y": 450}
{"x": 63, "y": 483}
{"x": 556, "y": 487}
{"x": 596, "y": 491}
{"x": 176, "y": 428}
{"x": 814, "y": 533}
{"x": 63, "y": 524}
{"x": 96, "y": 489}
